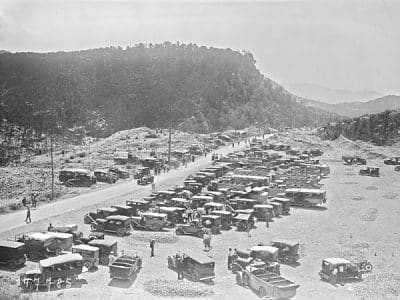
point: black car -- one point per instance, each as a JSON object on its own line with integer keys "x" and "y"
{"x": 105, "y": 176}
{"x": 119, "y": 172}
{"x": 12, "y": 254}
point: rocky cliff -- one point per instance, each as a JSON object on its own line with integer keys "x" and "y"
{"x": 377, "y": 128}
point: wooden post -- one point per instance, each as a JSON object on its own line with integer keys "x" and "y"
{"x": 52, "y": 168}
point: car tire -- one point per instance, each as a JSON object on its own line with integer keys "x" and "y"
{"x": 368, "y": 267}
{"x": 195, "y": 276}
{"x": 30, "y": 286}
{"x": 178, "y": 231}
{"x": 11, "y": 265}
{"x": 170, "y": 263}
{"x": 93, "y": 227}
{"x": 33, "y": 256}
{"x": 262, "y": 292}
{"x": 201, "y": 234}
{"x": 333, "y": 279}
{"x": 87, "y": 264}
{"x": 120, "y": 232}
{"x": 104, "y": 260}
{"x": 58, "y": 251}
{"x": 245, "y": 279}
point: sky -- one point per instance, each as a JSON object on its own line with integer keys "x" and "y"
{"x": 352, "y": 44}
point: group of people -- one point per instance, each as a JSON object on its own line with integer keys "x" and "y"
{"x": 33, "y": 202}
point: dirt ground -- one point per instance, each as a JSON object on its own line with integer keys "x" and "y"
{"x": 361, "y": 219}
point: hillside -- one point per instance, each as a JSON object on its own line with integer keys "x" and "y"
{"x": 355, "y": 109}
{"x": 105, "y": 90}
{"x": 329, "y": 95}
{"x": 382, "y": 128}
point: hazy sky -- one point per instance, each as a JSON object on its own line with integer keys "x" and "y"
{"x": 339, "y": 44}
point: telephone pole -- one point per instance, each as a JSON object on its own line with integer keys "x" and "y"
{"x": 169, "y": 146}
{"x": 52, "y": 167}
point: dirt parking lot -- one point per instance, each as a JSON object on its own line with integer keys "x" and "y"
{"x": 361, "y": 219}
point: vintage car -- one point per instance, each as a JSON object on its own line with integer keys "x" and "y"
{"x": 165, "y": 196}
{"x": 242, "y": 203}
{"x": 39, "y": 245}
{"x": 124, "y": 210}
{"x": 125, "y": 267}
{"x": 101, "y": 213}
{"x": 89, "y": 254}
{"x": 211, "y": 206}
{"x": 196, "y": 266}
{"x": 370, "y": 171}
{"x": 285, "y": 204}
{"x": 278, "y": 208}
{"x": 305, "y": 197}
{"x": 242, "y": 221}
{"x": 92, "y": 236}
{"x": 260, "y": 256}
{"x": 218, "y": 197}
{"x": 194, "y": 186}
{"x": 70, "y": 228}
{"x": 199, "y": 201}
{"x": 138, "y": 205}
{"x": 142, "y": 172}
{"x": 174, "y": 214}
{"x": 212, "y": 222}
{"x": 105, "y": 176}
{"x": 179, "y": 202}
{"x": 149, "y": 221}
{"x": 338, "y": 270}
{"x": 145, "y": 180}
{"x": 76, "y": 177}
{"x": 392, "y": 161}
{"x": 193, "y": 228}
{"x": 120, "y": 225}
{"x": 119, "y": 172}
{"x": 55, "y": 271}
{"x": 288, "y": 250}
{"x": 268, "y": 285}
{"x": 352, "y": 159}
{"x": 263, "y": 212}
{"x": 106, "y": 248}
{"x": 226, "y": 217}
{"x": 12, "y": 254}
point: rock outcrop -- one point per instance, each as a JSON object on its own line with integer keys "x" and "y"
{"x": 377, "y": 128}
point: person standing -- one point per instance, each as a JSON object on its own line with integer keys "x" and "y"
{"x": 230, "y": 258}
{"x": 28, "y": 215}
{"x": 192, "y": 158}
{"x": 267, "y": 219}
{"x": 249, "y": 227}
{"x": 152, "y": 248}
{"x": 179, "y": 265}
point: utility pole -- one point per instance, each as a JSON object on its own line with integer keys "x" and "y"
{"x": 52, "y": 167}
{"x": 169, "y": 146}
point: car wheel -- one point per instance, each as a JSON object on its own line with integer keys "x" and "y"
{"x": 200, "y": 234}
{"x": 120, "y": 232}
{"x": 170, "y": 263}
{"x": 368, "y": 267}
{"x": 333, "y": 279}
{"x": 245, "y": 279}
{"x": 195, "y": 276}
{"x": 104, "y": 260}
{"x": 93, "y": 227}
{"x": 58, "y": 251}
{"x": 87, "y": 264}
{"x": 178, "y": 231}
{"x": 262, "y": 292}
{"x": 11, "y": 265}
{"x": 33, "y": 256}
{"x": 30, "y": 286}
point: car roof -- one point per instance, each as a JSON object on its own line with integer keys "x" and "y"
{"x": 109, "y": 209}
{"x": 269, "y": 249}
{"x": 41, "y": 236}
{"x": 75, "y": 170}
{"x": 10, "y": 244}
{"x": 221, "y": 212}
{"x": 65, "y": 258}
{"x": 210, "y": 217}
{"x": 263, "y": 206}
{"x": 336, "y": 261}
{"x": 290, "y": 243}
{"x": 246, "y": 200}
{"x": 179, "y": 200}
{"x": 99, "y": 242}
{"x": 118, "y": 218}
{"x": 280, "y": 199}
{"x": 151, "y": 214}
{"x": 61, "y": 235}
{"x": 214, "y": 204}
{"x": 202, "y": 197}
{"x": 138, "y": 201}
{"x": 244, "y": 217}
{"x": 199, "y": 257}
{"x": 85, "y": 247}
{"x": 171, "y": 208}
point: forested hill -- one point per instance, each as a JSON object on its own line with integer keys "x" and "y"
{"x": 105, "y": 90}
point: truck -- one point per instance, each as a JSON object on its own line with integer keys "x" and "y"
{"x": 267, "y": 284}
{"x": 125, "y": 267}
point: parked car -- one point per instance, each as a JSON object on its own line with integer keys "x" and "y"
{"x": 138, "y": 205}
{"x": 141, "y": 172}
{"x": 76, "y": 177}
{"x": 12, "y": 254}
{"x": 338, "y": 269}
{"x": 89, "y": 254}
{"x": 124, "y": 210}
{"x": 285, "y": 204}
{"x": 212, "y": 222}
{"x": 226, "y": 218}
{"x": 349, "y": 160}
{"x": 106, "y": 248}
{"x": 145, "y": 180}
{"x": 264, "y": 212}
{"x": 149, "y": 221}
{"x": 196, "y": 266}
{"x": 193, "y": 228}
{"x": 370, "y": 171}
{"x": 54, "y": 271}
{"x": 174, "y": 214}
{"x": 258, "y": 256}
{"x": 242, "y": 221}
{"x": 277, "y": 208}
{"x": 288, "y": 250}
{"x": 119, "y": 172}
{"x": 125, "y": 267}
{"x": 267, "y": 284}
{"x": 392, "y": 161}
{"x": 101, "y": 213}
{"x": 92, "y": 236}
{"x": 119, "y": 225}
{"x": 70, "y": 228}
{"x": 105, "y": 176}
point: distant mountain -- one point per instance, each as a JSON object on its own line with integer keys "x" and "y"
{"x": 356, "y": 109}
{"x": 111, "y": 89}
{"x": 328, "y": 95}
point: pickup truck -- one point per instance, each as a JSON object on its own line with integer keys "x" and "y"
{"x": 267, "y": 283}
{"x": 125, "y": 267}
